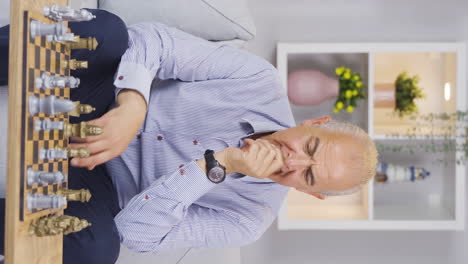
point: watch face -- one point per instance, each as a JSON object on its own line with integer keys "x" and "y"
{"x": 216, "y": 175}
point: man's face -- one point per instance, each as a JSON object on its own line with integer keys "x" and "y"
{"x": 315, "y": 159}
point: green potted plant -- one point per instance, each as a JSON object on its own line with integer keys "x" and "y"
{"x": 406, "y": 91}
{"x": 350, "y": 90}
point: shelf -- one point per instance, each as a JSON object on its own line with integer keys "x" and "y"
{"x": 438, "y": 202}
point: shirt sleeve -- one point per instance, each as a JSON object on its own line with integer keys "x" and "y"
{"x": 156, "y": 50}
{"x": 164, "y": 216}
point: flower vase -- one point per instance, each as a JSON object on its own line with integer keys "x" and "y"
{"x": 311, "y": 87}
{"x": 384, "y": 95}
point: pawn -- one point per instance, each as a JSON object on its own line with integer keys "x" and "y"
{"x": 73, "y": 64}
{"x": 81, "y": 130}
{"x": 42, "y": 177}
{"x": 80, "y": 153}
{"x": 43, "y": 29}
{"x": 84, "y": 43}
{"x": 61, "y": 13}
{"x": 80, "y": 109}
{"x": 46, "y": 81}
{"x": 47, "y": 125}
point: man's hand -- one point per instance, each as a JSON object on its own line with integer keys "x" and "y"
{"x": 259, "y": 158}
{"x": 119, "y": 125}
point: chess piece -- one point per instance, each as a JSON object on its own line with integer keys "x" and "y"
{"x": 73, "y": 64}
{"x": 66, "y": 13}
{"x": 76, "y": 225}
{"x": 43, "y": 29}
{"x": 81, "y": 109}
{"x": 82, "y": 195}
{"x": 52, "y": 105}
{"x": 62, "y": 153}
{"x": 47, "y": 125}
{"x": 57, "y": 224}
{"x": 81, "y": 130}
{"x": 41, "y": 177}
{"x": 84, "y": 43}
{"x": 52, "y": 154}
{"x": 80, "y": 153}
{"x": 49, "y": 105}
{"x": 67, "y": 37}
{"x": 46, "y": 81}
{"x": 40, "y": 201}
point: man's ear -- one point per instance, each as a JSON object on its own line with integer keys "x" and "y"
{"x": 317, "y": 195}
{"x": 316, "y": 121}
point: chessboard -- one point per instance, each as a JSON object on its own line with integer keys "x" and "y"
{"x": 42, "y": 56}
{"x": 32, "y": 148}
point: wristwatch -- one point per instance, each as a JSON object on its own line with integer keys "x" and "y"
{"x": 214, "y": 170}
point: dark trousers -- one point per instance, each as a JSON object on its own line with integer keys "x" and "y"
{"x": 100, "y": 242}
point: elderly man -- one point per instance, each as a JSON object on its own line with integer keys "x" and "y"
{"x": 200, "y": 144}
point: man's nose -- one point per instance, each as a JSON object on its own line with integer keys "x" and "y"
{"x": 297, "y": 162}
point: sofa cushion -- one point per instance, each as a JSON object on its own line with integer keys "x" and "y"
{"x": 208, "y": 19}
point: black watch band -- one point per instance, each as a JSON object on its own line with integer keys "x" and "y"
{"x": 215, "y": 172}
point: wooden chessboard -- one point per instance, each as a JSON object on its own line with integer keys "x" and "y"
{"x": 28, "y": 59}
{"x": 41, "y": 56}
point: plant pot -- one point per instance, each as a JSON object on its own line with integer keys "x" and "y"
{"x": 384, "y": 95}
{"x": 311, "y": 87}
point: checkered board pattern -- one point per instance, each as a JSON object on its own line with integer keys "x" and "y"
{"x": 41, "y": 56}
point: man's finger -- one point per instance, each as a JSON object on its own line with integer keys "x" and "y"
{"x": 275, "y": 164}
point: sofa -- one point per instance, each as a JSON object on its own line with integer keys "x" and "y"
{"x": 222, "y": 21}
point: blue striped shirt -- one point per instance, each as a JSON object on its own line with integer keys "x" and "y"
{"x": 201, "y": 95}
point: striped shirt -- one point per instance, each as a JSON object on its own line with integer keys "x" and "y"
{"x": 201, "y": 95}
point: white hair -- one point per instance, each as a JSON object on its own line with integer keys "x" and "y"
{"x": 367, "y": 161}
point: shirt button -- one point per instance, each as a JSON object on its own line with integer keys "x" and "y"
{"x": 146, "y": 197}
{"x": 195, "y": 142}
{"x": 121, "y": 77}
{"x": 182, "y": 171}
{"x": 139, "y": 136}
{"x": 159, "y": 138}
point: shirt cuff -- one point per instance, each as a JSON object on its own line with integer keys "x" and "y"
{"x": 186, "y": 184}
{"x": 133, "y": 76}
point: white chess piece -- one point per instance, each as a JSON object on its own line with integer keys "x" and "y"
{"x": 49, "y": 105}
{"x": 61, "y": 13}
{"x": 46, "y": 81}
{"x": 36, "y": 201}
{"x": 43, "y": 29}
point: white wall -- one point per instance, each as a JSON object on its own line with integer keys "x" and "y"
{"x": 353, "y": 21}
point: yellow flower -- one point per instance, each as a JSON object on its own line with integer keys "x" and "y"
{"x": 335, "y": 110}
{"x": 356, "y": 77}
{"x": 355, "y": 92}
{"x": 339, "y": 70}
{"x": 347, "y": 75}
{"x": 348, "y": 94}
{"x": 339, "y": 105}
{"x": 358, "y": 84}
{"x": 350, "y": 108}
